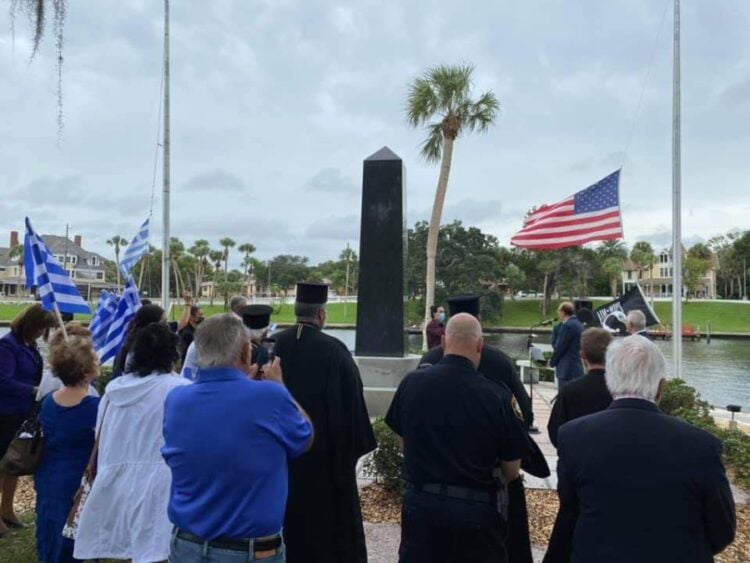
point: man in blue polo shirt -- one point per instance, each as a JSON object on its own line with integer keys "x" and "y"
{"x": 227, "y": 442}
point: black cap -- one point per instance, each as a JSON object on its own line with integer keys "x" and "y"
{"x": 256, "y": 316}
{"x": 312, "y": 293}
{"x": 464, "y": 304}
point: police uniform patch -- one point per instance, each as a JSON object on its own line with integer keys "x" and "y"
{"x": 516, "y": 409}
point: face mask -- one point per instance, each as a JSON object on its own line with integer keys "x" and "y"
{"x": 441, "y": 317}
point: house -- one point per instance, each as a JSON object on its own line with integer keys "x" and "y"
{"x": 249, "y": 288}
{"x": 657, "y": 280}
{"x": 87, "y": 269}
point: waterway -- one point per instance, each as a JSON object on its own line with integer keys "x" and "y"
{"x": 720, "y": 371}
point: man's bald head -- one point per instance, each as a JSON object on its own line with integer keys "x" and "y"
{"x": 463, "y": 337}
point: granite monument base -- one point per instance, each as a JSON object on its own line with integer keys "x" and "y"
{"x": 380, "y": 378}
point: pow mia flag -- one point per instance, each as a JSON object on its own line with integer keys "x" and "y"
{"x": 611, "y": 315}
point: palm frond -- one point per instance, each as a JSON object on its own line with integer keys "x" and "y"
{"x": 452, "y": 84}
{"x": 480, "y": 115}
{"x": 421, "y": 103}
{"x": 432, "y": 148}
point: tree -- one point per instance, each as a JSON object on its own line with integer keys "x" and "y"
{"x": 176, "y": 250}
{"x": 642, "y": 255}
{"x": 730, "y": 265}
{"x": 216, "y": 256}
{"x": 612, "y": 253}
{"x": 287, "y": 270}
{"x": 247, "y": 249}
{"x": 693, "y": 270}
{"x": 444, "y": 93}
{"x": 36, "y": 11}
{"x": 118, "y": 242}
{"x": 200, "y": 250}
{"x": 226, "y": 243}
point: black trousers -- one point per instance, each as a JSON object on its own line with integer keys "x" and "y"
{"x": 436, "y": 528}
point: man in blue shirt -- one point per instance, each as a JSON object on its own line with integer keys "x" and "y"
{"x": 228, "y": 438}
{"x": 566, "y": 357}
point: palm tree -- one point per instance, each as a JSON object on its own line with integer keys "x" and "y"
{"x": 176, "y": 249}
{"x": 200, "y": 250}
{"x": 247, "y": 249}
{"x": 118, "y": 242}
{"x": 441, "y": 100}
{"x": 642, "y": 255}
{"x": 613, "y": 253}
{"x": 216, "y": 257}
{"x": 227, "y": 243}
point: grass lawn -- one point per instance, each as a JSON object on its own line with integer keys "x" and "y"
{"x": 724, "y": 317}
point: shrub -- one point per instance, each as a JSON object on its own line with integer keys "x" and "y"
{"x": 385, "y": 462}
{"x": 105, "y": 375}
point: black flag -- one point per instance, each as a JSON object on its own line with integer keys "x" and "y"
{"x": 612, "y": 314}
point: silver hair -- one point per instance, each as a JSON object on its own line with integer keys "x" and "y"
{"x": 637, "y": 320}
{"x": 463, "y": 327}
{"x": 308, "y": 310}
{"x": 237, "y": 302}
{"x": 219, "y": 341}
{"x": 635, "y": 366}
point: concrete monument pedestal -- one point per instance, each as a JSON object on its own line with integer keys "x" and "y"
{"x": 381, "y": 377}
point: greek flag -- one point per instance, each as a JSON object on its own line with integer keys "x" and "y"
{"x": 52, "y": 281}
{"x": 128, "y": 305}
{"x": 137, "y": 249}
{"x": 103, "y": 317}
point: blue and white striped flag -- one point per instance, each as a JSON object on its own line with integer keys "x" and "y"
{"x": 51, "y": 280}
{"x": 127, "y": 307}
{"x": 137, "y": 249}
{"x": 103, "y": 317}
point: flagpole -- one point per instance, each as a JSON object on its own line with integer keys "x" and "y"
{"x": 60, "y": 321}
{"x": 676, "y": 202}
{"x": 165, "y": 193}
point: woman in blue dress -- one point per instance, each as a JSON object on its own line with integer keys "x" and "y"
{"x": 68, "y": 419}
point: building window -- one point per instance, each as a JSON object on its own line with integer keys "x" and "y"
{"x": 100, "y": 275}
{"x": 630, "y": 274}
{"x": 94, "y": 261}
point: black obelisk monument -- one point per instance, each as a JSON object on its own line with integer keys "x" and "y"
{"x": 381, "y": 303}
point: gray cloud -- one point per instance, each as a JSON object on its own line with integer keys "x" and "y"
{"x": 50, "y": 190}
{"x": 214, "y": 180}
{"x": 344, "y": 228}
{"x": 331, "y": 180}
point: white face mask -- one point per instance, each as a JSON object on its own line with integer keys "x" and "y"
{"x": 441, "y": 317}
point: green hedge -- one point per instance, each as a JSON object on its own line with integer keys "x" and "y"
{"x": 385, "y": 462}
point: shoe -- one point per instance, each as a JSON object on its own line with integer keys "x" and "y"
{"x": 14, "y": 524}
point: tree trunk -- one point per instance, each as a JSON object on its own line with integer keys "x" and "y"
{"x": 547, "y": 300}
{"x": 176, "y": 278}
{"x": 613, "y": 286}
{"x": 117, "y": 266}
{"x": 140, "y": 274}
{"x": 433, "y": 232}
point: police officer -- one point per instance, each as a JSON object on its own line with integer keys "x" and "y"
{"x": 494, "y": 364}
{"x": 257, "y": 319}
{"x": 454, "y": 426}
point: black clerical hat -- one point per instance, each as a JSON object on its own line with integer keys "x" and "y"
{"x": 257, "y": 316}
{"x": 464, "y": 304}
{"x": 312, "y": 293}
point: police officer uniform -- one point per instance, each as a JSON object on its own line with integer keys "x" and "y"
{"x": 455, "y": 425}
{"x": 257, "y": 317}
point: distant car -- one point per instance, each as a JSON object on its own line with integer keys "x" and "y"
{"x": 527, "y": 293}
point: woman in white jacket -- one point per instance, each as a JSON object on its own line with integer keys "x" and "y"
{"x": 125, "y": 515}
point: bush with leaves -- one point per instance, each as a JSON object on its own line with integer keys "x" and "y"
{"x": 385, "y": 462}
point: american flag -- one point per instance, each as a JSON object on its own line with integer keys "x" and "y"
{"x": 589, "y": 215}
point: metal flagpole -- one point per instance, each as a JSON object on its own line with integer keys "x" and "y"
{"x": 676, "y": 203}
{"x": 165, "y": 192}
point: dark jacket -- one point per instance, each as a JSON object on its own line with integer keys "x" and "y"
{"x": 639, "y": 485}
{"x": 566, "y": 358}
{"x": 586, "y": 395}
{"x": 20, "y": 372}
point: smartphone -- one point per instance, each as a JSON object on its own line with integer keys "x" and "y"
{"x": 270, "y": 346}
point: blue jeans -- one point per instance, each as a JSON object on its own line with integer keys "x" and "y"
{"x": 184, "y": 551}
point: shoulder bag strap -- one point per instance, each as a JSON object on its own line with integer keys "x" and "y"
{"x": 93, "y": 458}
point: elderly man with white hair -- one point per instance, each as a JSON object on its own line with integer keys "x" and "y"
{"x": 634, "y": 483}
{"x": 636, "y": 323}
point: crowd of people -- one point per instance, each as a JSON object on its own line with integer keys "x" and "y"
{"x": 210, "y": 465}
{"x": 250, "y": 453}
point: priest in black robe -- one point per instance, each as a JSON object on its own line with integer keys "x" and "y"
{"x": 323, "y": 517}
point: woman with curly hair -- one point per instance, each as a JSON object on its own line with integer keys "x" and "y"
{"x": 68, "y": 418}
{"x": 125, "y": 516}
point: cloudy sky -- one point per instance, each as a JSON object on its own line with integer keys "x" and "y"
{"x": 275, "y": 104}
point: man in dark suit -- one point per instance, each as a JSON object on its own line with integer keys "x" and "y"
{"x": 566, "y": 351}
{"x": 588, "y": 394}
{"x": 636, "y": 324}
{"x": 634, "y": 483}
